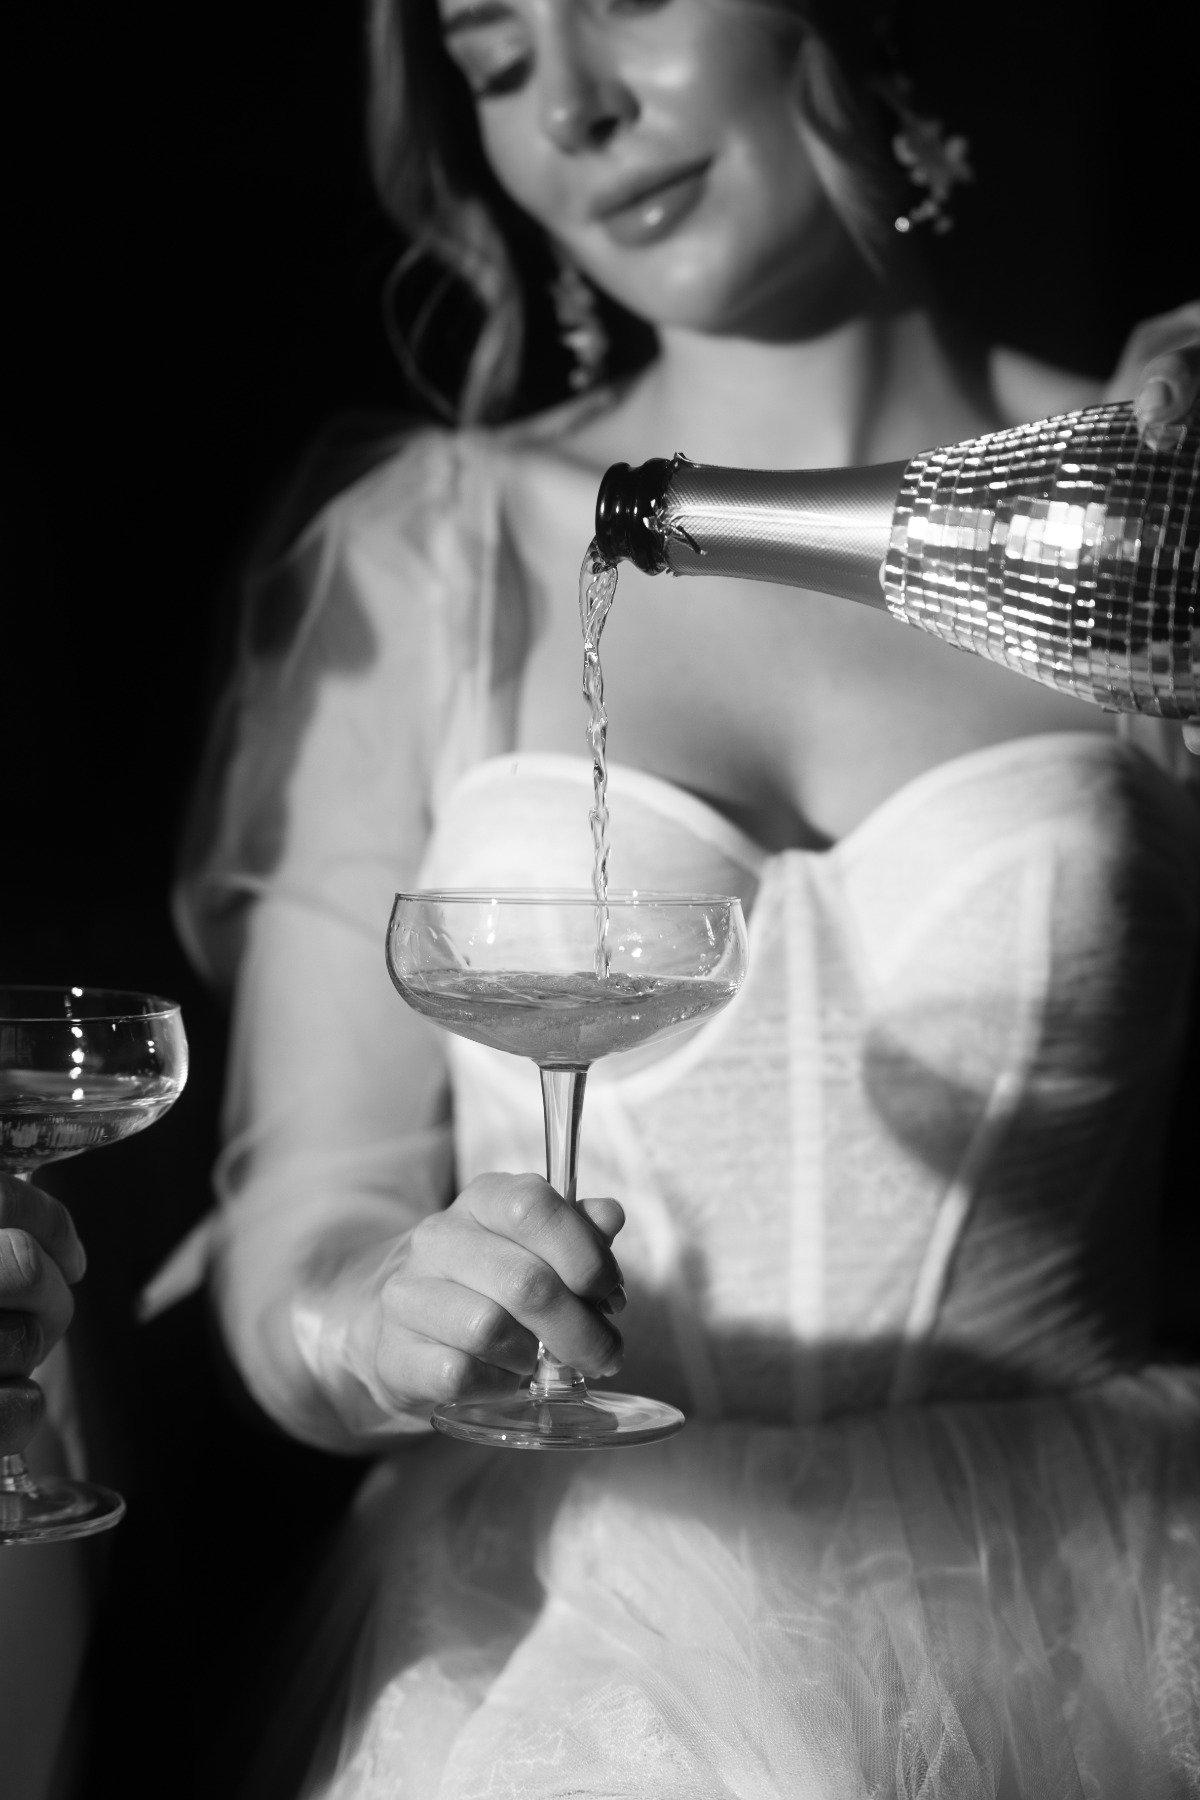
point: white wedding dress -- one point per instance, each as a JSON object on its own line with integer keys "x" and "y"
{"x": 933, "y": 1529}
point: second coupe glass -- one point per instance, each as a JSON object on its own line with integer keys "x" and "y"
{"x": 79, "y": 1067}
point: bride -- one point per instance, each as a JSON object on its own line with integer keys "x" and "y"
{"x": 891, "y": 1220}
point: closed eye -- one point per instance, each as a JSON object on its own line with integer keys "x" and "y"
{"x": 506, "y": 79}
{"x": 489, "y": 43}
{"x": 490, "y": 46}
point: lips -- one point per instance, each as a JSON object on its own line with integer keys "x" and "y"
{"x": 649, "y": 207}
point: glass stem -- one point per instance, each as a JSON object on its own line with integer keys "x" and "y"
{"x": 562, "y": 1108}
{"x": 15, "y": 1479}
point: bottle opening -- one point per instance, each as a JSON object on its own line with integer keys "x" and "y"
{"x": 627, "y": 508}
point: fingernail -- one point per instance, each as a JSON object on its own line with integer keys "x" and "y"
{"x": 1158, "y": 398}
{"x": 1162, "y": 438}
{"x": 615, "y": 1302}
{"x": 610, "y": 1369}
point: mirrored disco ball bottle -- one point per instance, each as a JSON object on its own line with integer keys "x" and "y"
{"x": 1064, "y": 550}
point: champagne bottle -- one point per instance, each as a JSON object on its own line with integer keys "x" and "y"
{"x": 1065, "y": 550}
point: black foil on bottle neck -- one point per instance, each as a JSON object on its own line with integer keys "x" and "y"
{"x": 627, "y": 511}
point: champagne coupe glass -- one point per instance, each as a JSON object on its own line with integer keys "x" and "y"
{"x": 79, "y": 1067}
{"x": 558, "y": 978}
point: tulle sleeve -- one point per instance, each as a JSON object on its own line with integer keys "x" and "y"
{"x": 351, "y": 641}
{"x": 355, "y": 651}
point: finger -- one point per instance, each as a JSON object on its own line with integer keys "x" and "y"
{"x": 32, "y": 1282}
{"x": 607, "y": 1216}
{"x": 421, "y": 1374}
{"x": 1191, "y": 738}
{"x": 1167, "y": 395}
{"x": 21, "y": 1409}
{"x": 605, "y": 1213}
{"x": 30, "y": 1209}
{"x": 525, "y": 1210}
{"x": 22, "y": 1343}
{"x": 525, "y": 1285}
{"x": 1178, "y": 330}
{"x": 446, "y": 1312}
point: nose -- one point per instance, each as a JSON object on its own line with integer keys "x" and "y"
{"x": 583, "y": 105}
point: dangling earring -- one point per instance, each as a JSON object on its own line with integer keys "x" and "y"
{"x": 931, "y": 159}
{"x": 579, "y": 327}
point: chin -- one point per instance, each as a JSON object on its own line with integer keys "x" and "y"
{"x": 700, "y": 313}
{"x": 739, "y": 289}
{"x": 702, "y": 298}
{"x": 708, "y": 310}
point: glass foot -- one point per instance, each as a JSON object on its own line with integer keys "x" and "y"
{"x": 58, "y": 1509}
{"x": 600, "y": 1421}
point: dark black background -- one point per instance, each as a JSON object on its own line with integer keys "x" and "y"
{"x": 197, "y": 290}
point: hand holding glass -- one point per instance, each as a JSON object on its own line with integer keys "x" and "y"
{"x": 79, "y": 1067}
{"x": 517, "y": 971}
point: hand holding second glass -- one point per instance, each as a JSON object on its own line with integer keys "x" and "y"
{"x": 41, "y": 1259}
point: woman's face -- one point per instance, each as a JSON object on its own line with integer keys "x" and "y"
{"x": 656, "y": 142}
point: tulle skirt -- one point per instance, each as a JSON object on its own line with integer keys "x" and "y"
{"x": 939, "y": 1603}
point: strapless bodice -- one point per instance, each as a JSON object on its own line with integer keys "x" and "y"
{"x": 947, "y": 1073}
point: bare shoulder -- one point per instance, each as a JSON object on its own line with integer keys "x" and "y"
{"x": 1024, "y": 388}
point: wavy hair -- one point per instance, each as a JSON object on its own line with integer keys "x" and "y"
{"x": 475, "y": 263}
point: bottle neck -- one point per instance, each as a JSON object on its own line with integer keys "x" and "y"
{"x": 823, "y": 529}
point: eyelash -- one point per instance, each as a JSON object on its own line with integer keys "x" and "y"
{"x": 512, "y": 76}
{"x": 505, "y": 80}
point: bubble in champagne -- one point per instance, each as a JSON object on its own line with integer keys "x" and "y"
{"x": 597, "y": 585}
